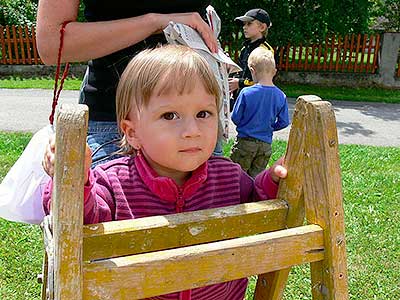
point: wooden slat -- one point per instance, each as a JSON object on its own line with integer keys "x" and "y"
{"x": 3, "y": 45}
{"x": 281, "y": 51}
{"x": 287, "y": 57}
{"x": 8, "y": 38}
{"x": 21, "y": 45}
{"x": 376, "y": 53}
{"x": 313, "y": 57}
{"x": 364, "y": 43}
{"x": 323, "y": 199}
{"x": 34, "y": 47}
{"x": 67, "y": 214}
{"x": 15, "y": 43}
{"x": 370, "y": 42}
{"x": 338, "y": 53}
{"x": 350, "y": 65}
{"x": 293, "y": 62}
{"x": 146, "y": 275}
{"x": 306, "y": 60}
{"x": 45, "y": 275}
{"x": 326, "y": 53}
{"x": 271, "y": 286}
{"x": 357, "y": 52}
{"x": 345, "y": 49}
{"x": 28, "y": 45}
{"x": 332, "y": 47}
{"x": 398, "y": 69}
{"x": 319, "y": 57}
{"x": 300, "y": 60}
{"x": 184, "y": 229}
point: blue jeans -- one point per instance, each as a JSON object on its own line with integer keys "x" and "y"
{"x": 218, "y": 148}
{"x": 103, "y": 138}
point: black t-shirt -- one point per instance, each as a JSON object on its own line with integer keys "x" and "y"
{"x": 104, "y": 72}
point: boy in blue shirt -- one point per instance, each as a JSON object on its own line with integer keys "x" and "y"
{"x": 259, "y": 110}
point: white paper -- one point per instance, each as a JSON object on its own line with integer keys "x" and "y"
{"x": 181, "y": 34}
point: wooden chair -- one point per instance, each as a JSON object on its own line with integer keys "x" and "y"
{"x": 129, "y": 259}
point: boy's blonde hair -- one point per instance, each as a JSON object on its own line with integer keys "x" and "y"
{"x": 265, "y": 32}
{"x": 162, "y": 70}
{"x": 262, "y": 60}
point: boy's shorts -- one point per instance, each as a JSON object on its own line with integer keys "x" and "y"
{"x": 251, "y": 154}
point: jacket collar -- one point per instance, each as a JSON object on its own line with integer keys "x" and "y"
{"x": 256, "y": 43}
{"x": 166, "y": 188}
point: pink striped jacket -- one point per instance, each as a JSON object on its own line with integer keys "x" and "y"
{"x": 129, "y": 188}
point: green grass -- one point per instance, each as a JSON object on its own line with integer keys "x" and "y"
{"x": 372, "y": 94}
{"x": 38, "y": 83}
{"x": 371, "y": 188}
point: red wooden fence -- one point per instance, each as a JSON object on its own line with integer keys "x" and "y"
{"x": 349, "y": 53}
{"x": 18, "y": 46}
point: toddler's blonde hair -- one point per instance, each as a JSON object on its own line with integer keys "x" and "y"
{"x": 262, "y": 60}
{"x": 162, "y": 70}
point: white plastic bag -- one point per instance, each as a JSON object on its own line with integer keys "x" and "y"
{"x": 21, "y": 189}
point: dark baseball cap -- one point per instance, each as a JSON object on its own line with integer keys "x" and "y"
{"x": 255, "y": 14}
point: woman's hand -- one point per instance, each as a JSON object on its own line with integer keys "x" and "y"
{"x": 278, "y": 171}
{"x": 49, "y": 159}
{"x": 193, "y": 20}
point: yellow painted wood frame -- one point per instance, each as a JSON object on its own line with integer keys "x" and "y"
{"x": 128, "y": 259}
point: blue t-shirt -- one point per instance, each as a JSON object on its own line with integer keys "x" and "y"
{"x": 259, "y": 111}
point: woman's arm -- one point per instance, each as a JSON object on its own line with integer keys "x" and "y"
{"x": 85, "y": 41}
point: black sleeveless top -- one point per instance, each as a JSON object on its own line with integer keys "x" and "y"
{"x": 104, "y": 72}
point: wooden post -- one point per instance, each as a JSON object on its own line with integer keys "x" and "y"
{"x": 323, "y": 200}
{"x": 313, "y": 172}
{"x": 272, "y": 285}
{"x": 67, "y": 205}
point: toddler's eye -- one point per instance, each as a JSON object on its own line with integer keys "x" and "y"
{"x": 169, "y": 116}
{"x": 203, "y": 114}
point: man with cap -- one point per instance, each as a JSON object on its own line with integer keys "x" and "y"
{"x": 256, "y": 23}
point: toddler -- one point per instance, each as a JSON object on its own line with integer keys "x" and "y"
{"x": 167, "y": 110}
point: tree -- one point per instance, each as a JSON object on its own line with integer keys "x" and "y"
{"x": 298, "y": 21}
{"x": 14, "y": 12}
{"x": 385, "y": 15}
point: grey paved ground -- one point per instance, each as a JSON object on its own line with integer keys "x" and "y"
{"x": 357, "y": 122}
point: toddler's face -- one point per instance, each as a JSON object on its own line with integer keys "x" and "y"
{"x": 178, "y": 133}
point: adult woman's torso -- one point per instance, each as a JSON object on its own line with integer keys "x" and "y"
{"x": 104, "y": 73}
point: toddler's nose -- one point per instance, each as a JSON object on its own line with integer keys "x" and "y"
{"x": 191, "y": 128}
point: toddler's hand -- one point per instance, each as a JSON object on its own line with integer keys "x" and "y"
{"x": 49, "y": 158}
{"x": 278, "y": 171}
{"x": 49, "y": 154}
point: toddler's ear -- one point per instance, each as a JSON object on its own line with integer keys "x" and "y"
{"x": 129, "y": 130}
